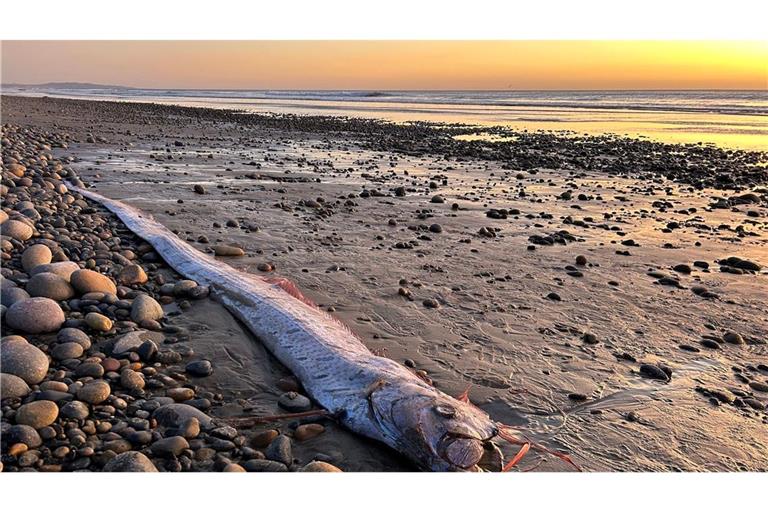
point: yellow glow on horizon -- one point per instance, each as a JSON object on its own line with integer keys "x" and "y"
{"x": 392, "y": 64}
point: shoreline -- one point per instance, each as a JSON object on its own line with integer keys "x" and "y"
{"x": 496, "y": 325}
{"x": 688, "y": 117}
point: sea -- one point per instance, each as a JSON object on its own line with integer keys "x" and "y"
{"x": 736, "y": 119}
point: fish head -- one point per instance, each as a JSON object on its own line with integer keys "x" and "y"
{"x": 439, "y": 432}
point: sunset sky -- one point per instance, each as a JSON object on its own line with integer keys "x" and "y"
{"x": 391, "y": 64}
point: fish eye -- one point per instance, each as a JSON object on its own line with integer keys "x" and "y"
{"x": 445, "y": 410}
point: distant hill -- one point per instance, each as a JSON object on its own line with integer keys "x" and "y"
{"x": 68, "y": 85}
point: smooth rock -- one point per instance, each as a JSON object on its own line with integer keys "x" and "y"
{"x": 145, "y": 308}
{"x": 228, "y": 250}
{"x": 22, "y": 359}
{"x": 130, "y": 462}
{"x": 22, "y": 434}
{"x": 174, "y": 415}
{"x": 69, "y": 350}
{"x": 35, "y": 255}
{"x": 294, "y": 402}
{"x": 98, "y": 322}
{"x": 11, "y": 296}
{"x": 50, "y": 285}
{"x": 63, "y": 269}
{"x": 132, "y": 274}
{"x": 131, "y": 380}
{"x": 170, "y": 446}
{"x": 308, "y": 431}
{"x": 86, "y": 281}
{"x": 317, "y": 466}
{"x": 264, "y": 466}
{"x": 128, "y": 342}
{"x": 73, "y": 335}
{"x": 202, "y": 368}
{"x": 75, "y": 410}
{"x": 12, "y": 386}
{"x": 280, "y": 450}
{"x": 94, "y": 392}
{"x": 35, "y": 315}
{"x": 17, "y": 229}
{"x": 37, "y": 414}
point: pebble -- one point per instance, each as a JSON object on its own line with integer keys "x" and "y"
{"x": 75, "y": 410}
{"x": 98, "y": 322}
{"x": 180, "y": 394}
{"x": 279, "y": 450}
{"x": 22, "y": 359}
{"x": 430, "y": 303}
{"x": 202, "y": 368}
{"x": 264, "y": 466}
{"x": 130, "y": 462}
{"x": 128, "y": 342}
{"x": 69, "y": 350}
{"x": 11, "y": 296}
{"x": 653, "y": 372}
{"x": 755, "y": 404}
{"x": 132, "y": 380}
{"x": 145, "y": 308}
{"x": 17, "y": 449}
{"x": 110, "y": 364}
{"x": 37, "y": 414}
{"x": 308, "y": 431}
{"x": 733, "y": 338}
{"x": 317, "y": 466}
{"x": 35, "y": 255}
{"x": 132, "y": 274}
{"x": 228, "y": 250}
{"x": 72, "y": 335}
{"x": 63, "y": 269}
{"x": 758, "y": 386}
{"x": 86, "y": 281}
{"x": 50, "y": 285}
{"x": 189, "y": 429}
{"x": 294, "y": 402}
{"x": 12, "y": 386}
{"x": 22, "y": 434}
{"x": 174, "y": 415}
{"x": 18, "y": 230}
{"x": 263, "y": 438}
{"x": 94, "y": 392}
{"x": 170, "y": 446}
{"x": 35, "y": 315}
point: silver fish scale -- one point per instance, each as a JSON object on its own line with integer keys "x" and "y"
{"x": 333, "y": 365}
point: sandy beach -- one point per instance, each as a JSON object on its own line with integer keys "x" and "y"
{"x": 605, "y": 296}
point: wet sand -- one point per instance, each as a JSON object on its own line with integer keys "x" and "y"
{"x": 319, "y": 200}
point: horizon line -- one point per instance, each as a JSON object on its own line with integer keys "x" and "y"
{"x": 116, "y": 86}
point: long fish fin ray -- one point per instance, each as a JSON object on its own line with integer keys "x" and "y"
{"x": 290, "y": 288}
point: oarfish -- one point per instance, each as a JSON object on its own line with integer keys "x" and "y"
{"x": 370, "y": 395}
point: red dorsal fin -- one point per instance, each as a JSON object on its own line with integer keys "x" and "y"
{"x": 290, "y": 288}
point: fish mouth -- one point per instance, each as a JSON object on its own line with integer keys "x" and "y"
{"x": 462, "y": 451}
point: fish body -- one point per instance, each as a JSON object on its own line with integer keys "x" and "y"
{"x": 370, "y": 395}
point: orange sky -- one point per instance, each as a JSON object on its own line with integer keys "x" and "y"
{"x": 392, "y": 64}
